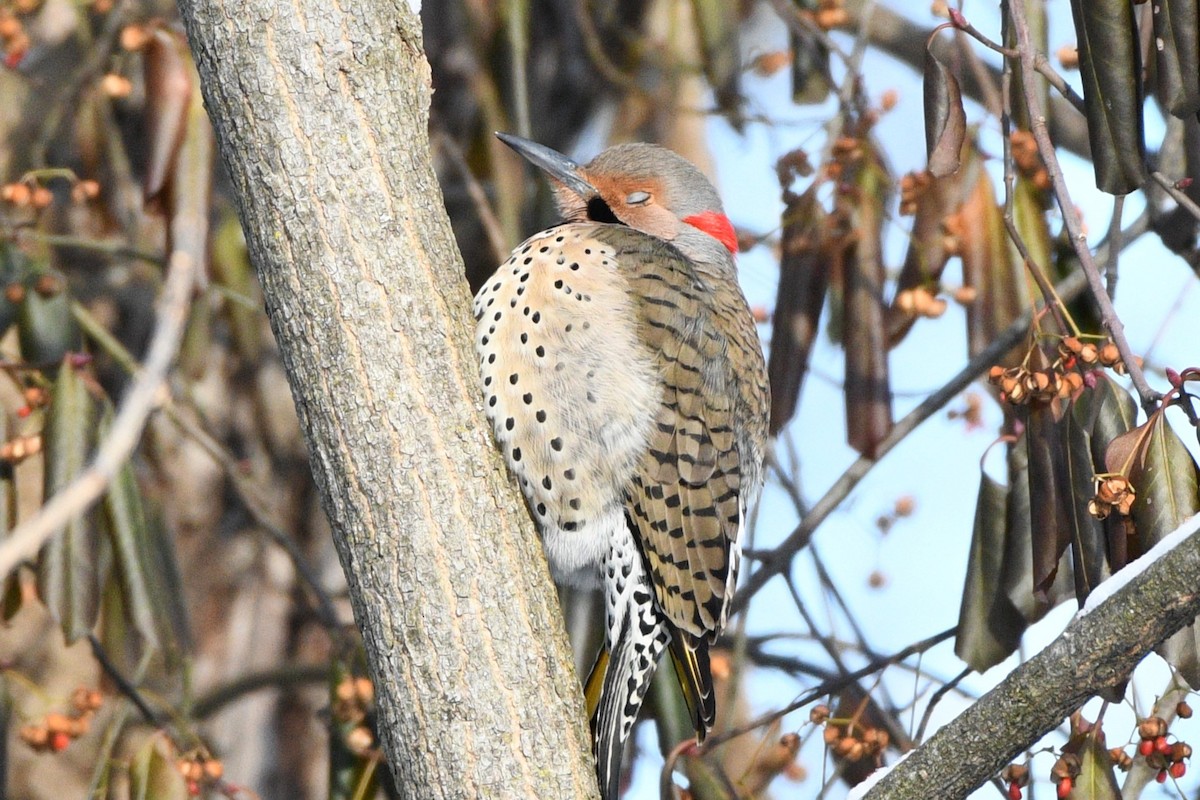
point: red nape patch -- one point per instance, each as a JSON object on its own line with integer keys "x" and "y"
{"x": 716, "y": 225}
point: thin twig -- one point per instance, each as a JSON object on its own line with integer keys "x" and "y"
{"x": 123, "y": 685}
{"x": 1040, "y": 63}
{"x": 1179, "y": 197}
{"x": 110, "y": 247}
{"x": 936, "y": 698}
{"x": 279, "y": 678}
{"x": 143, "y": 397}
{"x": 517, "y": 23}
{"x": 1067, "y": 289}
{"x": 595, "y": 51}
{"x": 247, "y": 493}
{"x": 1070, "y": 214}
{"x": 1114, "y": 236}
{"x": 830, "y": 687}
{"x": 483, "y": 207}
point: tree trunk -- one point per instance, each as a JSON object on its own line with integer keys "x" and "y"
{"x": 321, "y": 117}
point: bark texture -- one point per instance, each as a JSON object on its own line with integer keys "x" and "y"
{"x": 321, "y": 118}
{"x": 1095, "y": 652}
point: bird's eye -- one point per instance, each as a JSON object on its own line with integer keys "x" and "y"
{"x": 637, "y": 198}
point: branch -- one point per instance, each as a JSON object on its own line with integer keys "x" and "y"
{"x": 780, "y": 560}
{"x": 1070, "y": 214}
{"x": 142, "y": 399}
{"x": 1150, "y": 600}
{"x": 905, "y": 41}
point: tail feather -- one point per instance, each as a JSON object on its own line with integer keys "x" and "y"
{"x": 628, "y": 670}
{"x": 690, "y": 657}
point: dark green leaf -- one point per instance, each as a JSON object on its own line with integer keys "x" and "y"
{"x": 1049, "y": 495}
{"x": 68, "y": 566}
{"x": 1166, "y": 485}
{"x": 1110, "y": 67}
{"x": 867, "y": 388}
{"x": 989, "y": 625}
{"x": 803, "y": 281}
{"x": 945, "y": 120}
{"x": 1017, "y": 570}
{"x": 243, "y": 303}
{"x": 46, "y": 329}
{"x": 1095, "y": 780}
{"x": 131, "y": 546}
{"x": 1177, "y": 44}
{"x": 1089, "y": 540}
{"x": 1106, "y": 412}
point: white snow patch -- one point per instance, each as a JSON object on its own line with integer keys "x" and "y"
{"x": 415, "y": 5}
{"x": 1136, "y": 567}
{"x": 860, "y": 791}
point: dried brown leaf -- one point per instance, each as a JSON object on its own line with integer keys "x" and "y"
{"x": 945, "y": 119}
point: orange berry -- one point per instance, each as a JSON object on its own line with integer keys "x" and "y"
{"x": 115, "y": 85}
{"x": 16, "y": 193}
{"x": 59, "y": 741}
{"x": 36, "y": 736}
{"x": 1064, "y": 788}
{"x": 364, "y": 690}
{"x": 1183, "y": 710}
{"x": 767, "y": 64}
{"x": 1177, "y": 770}
{"x": 41, "y": 197}
{"x": 57, "y": 722}
{"x": 1146, "y": 747}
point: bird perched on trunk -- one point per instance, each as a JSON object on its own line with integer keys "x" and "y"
{"x": 626, "y": 386}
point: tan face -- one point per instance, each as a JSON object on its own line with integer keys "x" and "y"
{"x": 640, "y": 203}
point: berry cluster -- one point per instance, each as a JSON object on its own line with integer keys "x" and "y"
{"x": 1113, "y": 492}
{"x": 55, "y": 731}
{"x": 1161, "y": 753}
{"x": 1064, "y": 772}
{"x": 1074, "y": 351}
{"x": 849, "y": 739}
{"x": 1015, "y": 777}
{"x": 912, "y": 186}
{"x": 19, "y": 448}
{"x": 1062, "y": 379}
{"x": 199, "y": 770}
{"x": 1022, "y": 386}
{"x": 352, "y": 701}
{"x": 920, "y": 302}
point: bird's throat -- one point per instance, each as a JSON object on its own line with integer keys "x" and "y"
{"x": 716, "y": 225}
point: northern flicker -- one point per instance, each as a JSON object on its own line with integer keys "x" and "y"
{"x": 625, "y": 382}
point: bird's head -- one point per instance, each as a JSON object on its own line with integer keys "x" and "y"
{"x": 647, "y": 187}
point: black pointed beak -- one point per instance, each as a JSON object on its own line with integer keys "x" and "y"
{"x": 552, "y": 162}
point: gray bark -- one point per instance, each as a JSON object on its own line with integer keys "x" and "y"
{"x": 1095, "y": 652}
{"x": 321, "y": 113}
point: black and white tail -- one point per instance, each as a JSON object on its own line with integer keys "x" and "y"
{"x": 636, "y": 637}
